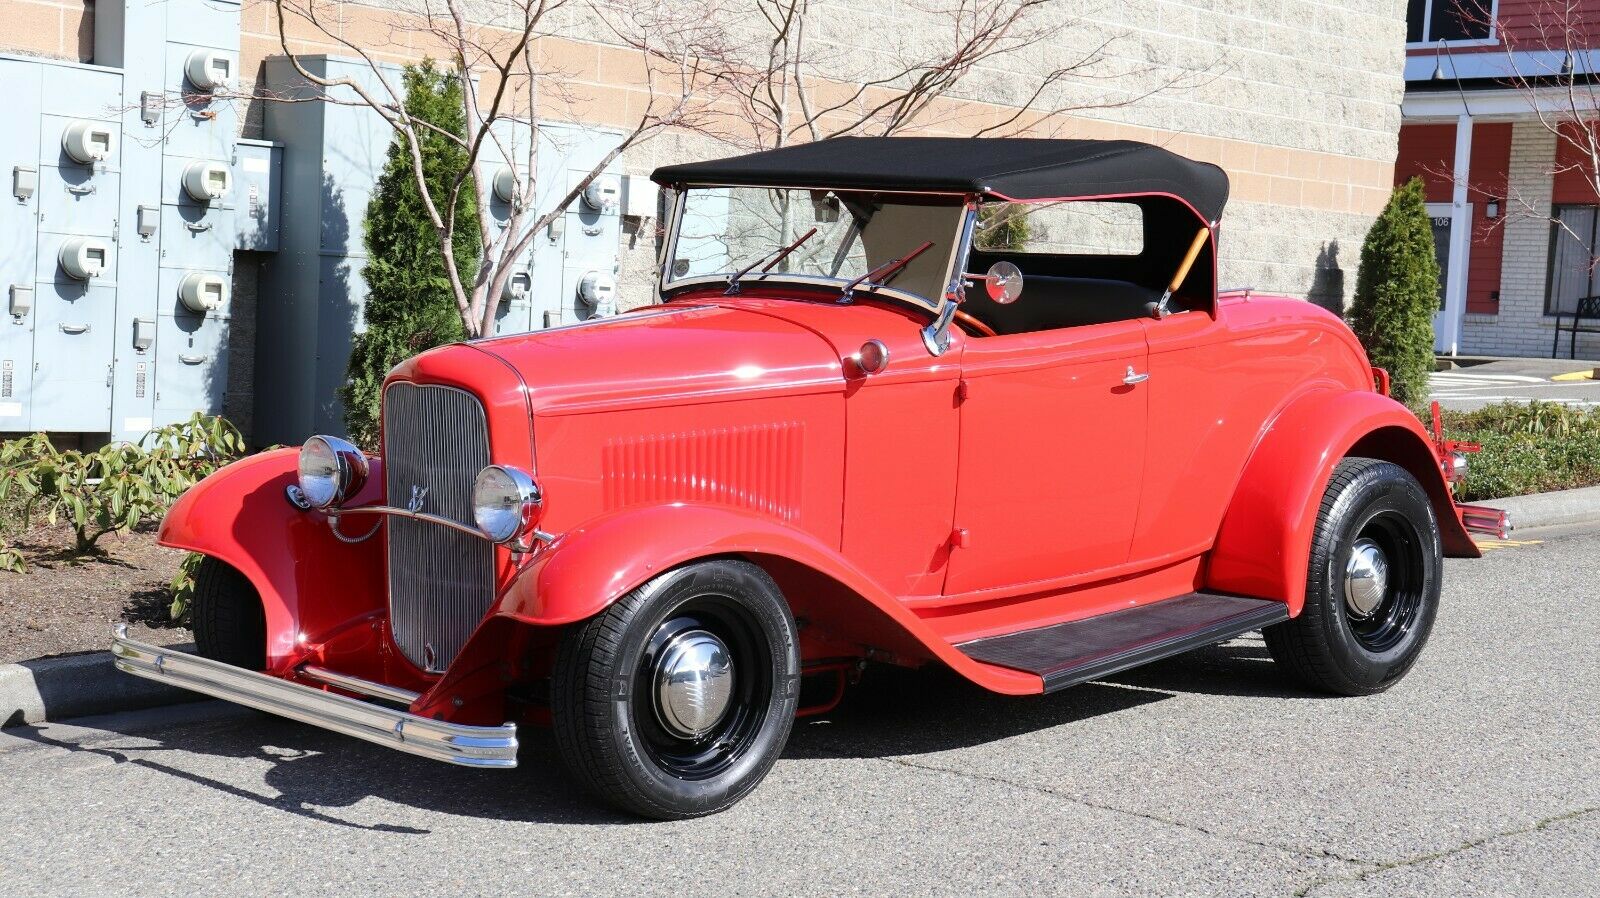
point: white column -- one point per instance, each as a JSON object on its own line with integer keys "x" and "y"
{"x": 1447, "y": 324}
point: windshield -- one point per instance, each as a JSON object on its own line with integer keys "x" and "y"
{"x": 723, "y": 231}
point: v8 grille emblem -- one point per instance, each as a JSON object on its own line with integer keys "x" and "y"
{"x": 419, "y": 494}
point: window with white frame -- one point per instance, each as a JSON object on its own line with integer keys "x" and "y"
{"x": 1573, "y": 273}
{"x": 1430, "y": 21}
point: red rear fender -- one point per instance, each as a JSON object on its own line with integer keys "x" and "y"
{"x": 1265, "y": 541}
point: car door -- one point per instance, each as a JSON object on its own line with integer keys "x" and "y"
{"x": 1212, "y": 388}
{"x": 1052, "y": 444}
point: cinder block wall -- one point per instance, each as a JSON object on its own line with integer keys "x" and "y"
{"x": 61, "y": 29}
{"x": 1298, "y": 101}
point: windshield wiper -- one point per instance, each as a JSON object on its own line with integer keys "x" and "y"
{"x": 879, "y": 276}
{"x": 733, "y": 282}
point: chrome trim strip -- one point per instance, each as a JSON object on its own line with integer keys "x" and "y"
{"x": 356, "y": 684}
{"x": 936, "y": 336}
{"x": 516, "y": 546}
{"x": 453, "y": 743}
{"x": 335, "y": 513}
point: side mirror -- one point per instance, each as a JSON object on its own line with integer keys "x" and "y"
{"x": 1003, "y": 282}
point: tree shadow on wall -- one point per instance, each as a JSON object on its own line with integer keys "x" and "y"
{"x": 1327, "y": 281}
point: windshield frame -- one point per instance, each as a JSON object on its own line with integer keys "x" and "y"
{"x": 955, "y": 260}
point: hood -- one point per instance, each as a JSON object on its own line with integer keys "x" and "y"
{"x": 657, "y": 355}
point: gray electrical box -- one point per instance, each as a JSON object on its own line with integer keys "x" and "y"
{"x": 257, "y": 172}
{"x": 19, "y": 149}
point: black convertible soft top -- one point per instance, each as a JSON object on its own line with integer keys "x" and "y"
{"x": 1009, "y": 168}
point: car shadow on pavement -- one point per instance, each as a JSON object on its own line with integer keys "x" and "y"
{"x": 894, "y": 711}
{"x": 325, "y": 777}
{"x": 1242, "y": 667}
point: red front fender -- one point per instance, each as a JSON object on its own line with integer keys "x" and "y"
{"x": 586, "y": 570}
{"x": 1265, "y": 541}
{"x": 239, "y": 515}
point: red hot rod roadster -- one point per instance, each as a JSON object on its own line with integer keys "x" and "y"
{"x": 976, "y": 403}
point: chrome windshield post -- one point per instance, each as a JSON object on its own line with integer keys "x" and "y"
{"x": 936, "y": 336}
{"x": 669, "y": 247}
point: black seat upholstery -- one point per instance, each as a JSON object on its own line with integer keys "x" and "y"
{"x": 1049, "y": 302}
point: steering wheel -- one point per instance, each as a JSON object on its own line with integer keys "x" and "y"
{"x": 972, "y": 323}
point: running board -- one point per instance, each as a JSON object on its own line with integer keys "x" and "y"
{"x": 1077, "y": 651}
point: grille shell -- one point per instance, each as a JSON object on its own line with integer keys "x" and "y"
{"x": 441, "y": 581}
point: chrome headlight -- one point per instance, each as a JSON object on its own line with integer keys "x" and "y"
{"x": 331, "y": 470}
{"x": 504, "y": 500}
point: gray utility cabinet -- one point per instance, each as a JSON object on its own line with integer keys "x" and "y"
{"x": 56, "y": 357}
{"x": 100, "y": 234}
{"x": 312, "y": 292}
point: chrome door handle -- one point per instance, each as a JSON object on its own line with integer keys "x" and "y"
{"x": 191, "y": 359}
{"x": 74, "y": 328}
{"x": 1132, "y": 378}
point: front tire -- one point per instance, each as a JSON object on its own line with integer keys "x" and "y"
{"x": 229, "y": 623}
{"x": 1372, "y": 588}
{"x": 677, "y": 700}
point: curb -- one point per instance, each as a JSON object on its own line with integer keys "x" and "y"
{"x": 1579, "y": 506}
{"x": 79, "y": 685}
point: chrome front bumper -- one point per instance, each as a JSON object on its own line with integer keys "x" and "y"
{"x": 469, "y": 746}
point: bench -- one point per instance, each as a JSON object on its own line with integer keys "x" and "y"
{"x": 1588, "y": 308}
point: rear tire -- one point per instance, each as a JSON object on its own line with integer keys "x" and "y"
{"x": 677, "y": 700}
{"x": 1372, "y": 588}
{"x": 229, "y": 623}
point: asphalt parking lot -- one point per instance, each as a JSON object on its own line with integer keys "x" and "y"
{"x": 1202, "y": 775}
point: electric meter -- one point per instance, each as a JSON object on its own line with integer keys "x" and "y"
{"x": 603, "y": 194}
{"x": 84, "y": 257}
{"x": 88, "y": 142}
{"x": 209, "y": 69}
{"x": 598, "y": 291}
{"x": 518, "y": 285}
{"x": 202, "y": 292}
{"x": 505, "y": 184}
{"x": 207, "y": 181}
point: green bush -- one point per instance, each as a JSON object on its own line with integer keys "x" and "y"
{"x": 410, "y": 306}
{"x": 1003, "y": 226}
{"x": 1527, "y": 448}
{"x": 1397, "y": 293}
{"x": 181, "y": 586}
{"x": 112, "y": 489}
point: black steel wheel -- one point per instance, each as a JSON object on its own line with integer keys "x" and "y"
{"x": 229, "y": 622}
{"x": 677, "y": 700}
{"x": 1372, "y": 588}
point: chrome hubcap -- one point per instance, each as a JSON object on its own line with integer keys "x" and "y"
{"x": 693, "y": 684}
{"x": 1366, "y": 578}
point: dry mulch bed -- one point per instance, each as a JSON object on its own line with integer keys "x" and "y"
{"x": 62, "y": 604}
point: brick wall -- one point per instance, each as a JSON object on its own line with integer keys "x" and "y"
{"x": 1521, "y": 327}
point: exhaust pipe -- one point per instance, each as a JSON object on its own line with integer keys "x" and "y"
{"x": 1483, "y": 519}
